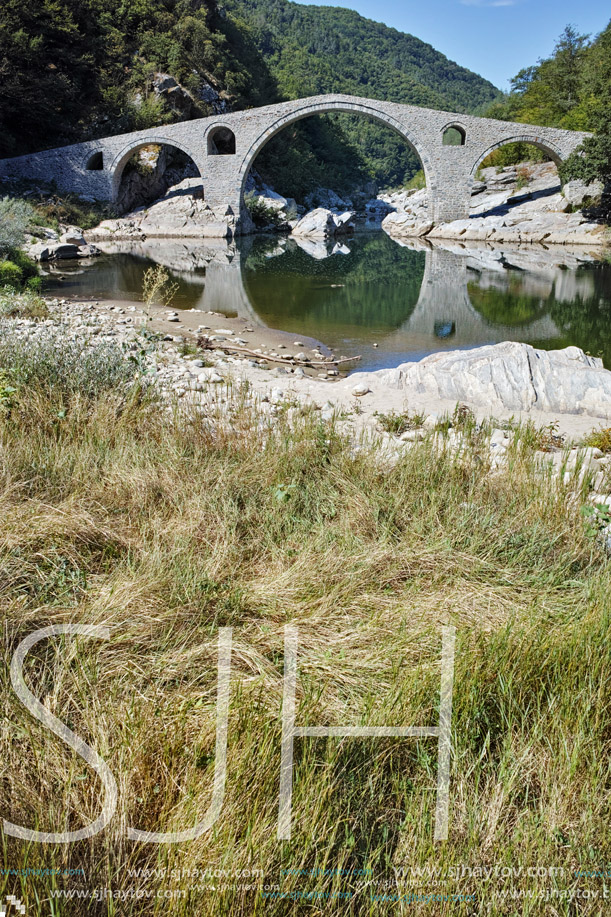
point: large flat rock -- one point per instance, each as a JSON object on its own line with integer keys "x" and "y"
{"x": 507, "y": 377}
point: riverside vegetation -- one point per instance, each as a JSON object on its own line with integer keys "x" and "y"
{"x": 151, "y": 517}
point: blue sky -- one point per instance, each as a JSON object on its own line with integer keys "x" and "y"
{"x": 495, "y": 38}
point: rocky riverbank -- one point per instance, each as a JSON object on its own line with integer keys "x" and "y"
{"x": 187, "y": 353}
{"x": 522, "y": 204}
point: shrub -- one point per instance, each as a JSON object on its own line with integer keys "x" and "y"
{"x": 18, "y": 270}
{"x": 7, "y": 392}
{"x": 48, "y": 360}
{"x": 523, "y": 178}
{"x": 23, "y": 305}
{"x": 400, "y": 423}
{"x": 28, "y": 267}
{"x": 156, "y": 287}
{"x": 600, "y": 439}
{"x": 11, "y": 275}
{"x": 260, "y": 213}
{"x": 15, "y": 218}
{"x": 418, "y": 181}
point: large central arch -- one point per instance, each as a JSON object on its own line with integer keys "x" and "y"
{"x": 321, "y": 108}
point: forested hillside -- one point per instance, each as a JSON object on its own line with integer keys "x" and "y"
{"x": 318, "y": 49}
{"x": 313, "y": 49}
{"x": 75, "y": 69}
{"x": 72, "y": 69}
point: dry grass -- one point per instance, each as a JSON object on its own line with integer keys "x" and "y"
{"x": 119, "y": 514}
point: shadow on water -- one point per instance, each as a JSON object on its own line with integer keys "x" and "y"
{"x": 370, "y": 295}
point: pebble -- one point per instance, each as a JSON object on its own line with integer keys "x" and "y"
{"x": 361, "y": 389}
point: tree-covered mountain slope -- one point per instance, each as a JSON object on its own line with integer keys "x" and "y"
{"x": 317, "y": 49}
{"x": 75, "y": 69}
{"x": 314, "y": 49}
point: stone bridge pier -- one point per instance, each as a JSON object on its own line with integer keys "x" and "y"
{"x": 224, "y": 148}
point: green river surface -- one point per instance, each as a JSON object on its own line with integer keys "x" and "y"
{"x": 409, "y": 300}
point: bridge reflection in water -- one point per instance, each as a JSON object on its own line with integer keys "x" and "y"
{"x": 408, "y": 300}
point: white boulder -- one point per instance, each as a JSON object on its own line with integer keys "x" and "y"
{"x": 508, "y": 377}
{"x": 323, "y": 224}
{"x": 576, "y": 192}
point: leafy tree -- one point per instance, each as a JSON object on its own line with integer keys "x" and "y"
{"x": 593, "y": 160}
{"x": 571, "y": 89}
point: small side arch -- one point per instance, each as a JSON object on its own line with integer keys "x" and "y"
{"x": 453, "y": 134}
{"x": 122, "y": 158}
{"x": 549, "y": 148}
{"x": 95, "y": 162}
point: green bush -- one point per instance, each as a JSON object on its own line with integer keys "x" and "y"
{"x": 25, "y": 304}
{"x": 418, "y": 181}
{"x": 260, "y": 213}
{"x": 11, "y": 275}
{"x": 29, "y": 268}
{"x": 18, "y": 271}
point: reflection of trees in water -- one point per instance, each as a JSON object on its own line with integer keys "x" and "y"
{"x": 578, "y": 302}
{"x": 507, "y": 303}
{"x": 376, "y": 285}
{"x": 586, "y": 320}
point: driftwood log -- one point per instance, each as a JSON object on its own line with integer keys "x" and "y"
{"x": 204, "y": 344}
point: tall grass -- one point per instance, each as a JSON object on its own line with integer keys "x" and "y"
{"x": 164, "y": 529}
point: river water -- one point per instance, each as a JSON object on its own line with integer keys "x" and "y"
{"x": 408, "y": 300}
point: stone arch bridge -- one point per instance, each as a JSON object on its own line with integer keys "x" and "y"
{"x": 224, "y": 148}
